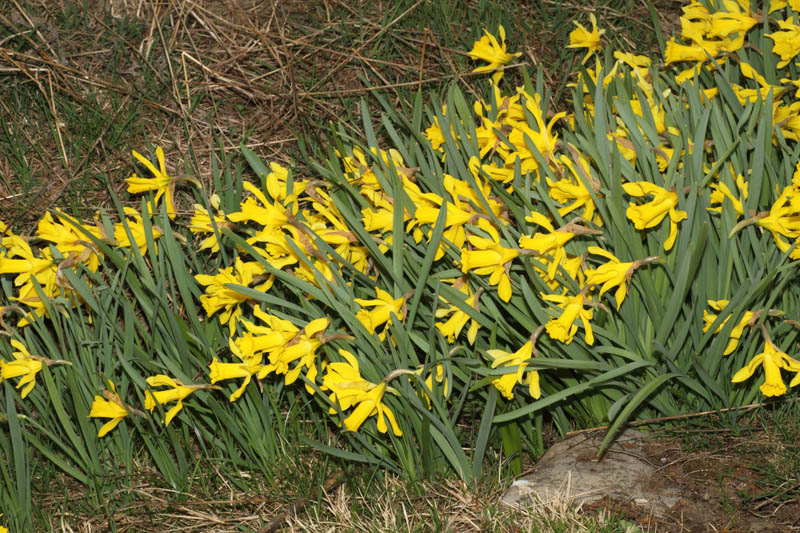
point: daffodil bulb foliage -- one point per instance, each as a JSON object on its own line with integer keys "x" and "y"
{"x": 500, "y": 243}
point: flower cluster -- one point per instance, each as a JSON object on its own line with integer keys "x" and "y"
{"x": 547, "y": 249}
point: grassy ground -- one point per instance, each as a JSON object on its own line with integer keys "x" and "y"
{"x": 741, "y": 470}
{"x": 84, "y": 83}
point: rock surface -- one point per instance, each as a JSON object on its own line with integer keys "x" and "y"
{"x": 572, "y": 469}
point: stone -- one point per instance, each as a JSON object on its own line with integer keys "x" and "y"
{"x": 572, "y": 469}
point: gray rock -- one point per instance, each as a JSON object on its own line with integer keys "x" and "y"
{"x": 572, "y": 469}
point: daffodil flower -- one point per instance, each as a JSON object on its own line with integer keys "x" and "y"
{"x": 786, "y": 41}
{"x": 488, "y": 49}
{"x": 615, "y": 273}
{"x": 258, "y": 339}
{"x": 277, "y": 181}
{"x": 176, "y": 392}
{"x": 71, "y": 242}
{"x": 138, "y": 236}
{"x": 270, "y": 214}
{"x": 506, "y": 382}
{"x": 437, "y": 373}
{"x": 383, "y": 307}
{"x": 161, "y": 182}
{"x": 651, "y": 214}
{"x": 736, "y": 332}
{"x": 219, "y": 296}
{"x": 453, "y": 326}
{"x": 109, "y": 407}
{"x": 489, "y": 257}
{"x": 720, "y": 191}
{"x": 551, "y": 243}
{"x": 772, "y": 360}
{"x": 563, "y": 328}
{"x": 247, "y": 368}
{"x": 24, "y": 366}
{"x": 302, "y": 350}
{"x": 201, "y": 222}
{"x": 349, "y": 389}
{"x": 581, "y": 37}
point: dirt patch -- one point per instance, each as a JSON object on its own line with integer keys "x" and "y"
{"x": 698, "y": 481}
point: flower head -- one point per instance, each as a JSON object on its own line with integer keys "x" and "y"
{"x": 161, "y": 182}
{"x": 349, "y": 389}
{"x": 488, "y": 49}
{"x": 564, "y": 328}
{"x": 506, "y": 382}
{"x": 614, "y": 273}
{"x": 24, "y": 366}
{"x": 651, "y": 214}
{"x": 490, "y": 258}
{"x": 736, "y": 332}
{"x": 451, "y": 328}
{"x": 219, "y": 296}
{"x": 772, "y": 360}
{"x": 109, "y": 407}
{"x": 176, "y": 392}
{"x": 581, "y": 37}
{"x": 383, "y": 307}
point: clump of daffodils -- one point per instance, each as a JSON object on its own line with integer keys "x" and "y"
{"x": 519, "y": 235}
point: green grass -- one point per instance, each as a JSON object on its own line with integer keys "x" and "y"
{"x": 86, "y": 86}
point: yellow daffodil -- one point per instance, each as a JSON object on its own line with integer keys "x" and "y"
{"x": 651, "y": 214}
{"x": 382, "y": 308}
{"x": 488, "y": 49}
{"x": 24, "y": 366}
{"x": 574, "y": 190}
{"x": 257, "y": 339}
{"x": 277, "y": 183}
{"x": 551, "y": 243}
{"x": 698, "y": 51}
{"x": 581, "y": 37}
{"x": 161, "y": 182}
{"x": 506, "y": 382}
{"x": 434, "y": 131}
{"x": 137, "y": 231}
{"x": 736, "y": 332}
{"x": 2, "y": 528}
{"x": 720, "y": 191}
{"x": 302, "y": 350}
{"x": 782, "y": 220}
{"x": 201, "y": 222}
{"x": 437, "y": 373}
{"x": 489, "y": 258}
{"x": 248, "y": 367}
{"x": 615, "y": 273}
{"x": 109, "y": 407}
{"x": 775, "y": 5}
{"x": 563, "y": 328}
{"x": 349, "y": 389}
{"x": 452, "y": 327}
{"x": 269, "y": 214}
{"x": 522, "y": 133}
{"x": 20, "y": 259}
{"x": 786, "y": 41}
{"x": 70, "y": 241}
{"x": 772, "y": 360}
{"x": 218, "y": 296}
{"x": 176, "y": 393}
{"x": 736, "y": 19}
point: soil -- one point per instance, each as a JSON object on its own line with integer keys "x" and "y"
{"x": 711, "y": 480}
{"x": 719, "y": 492}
